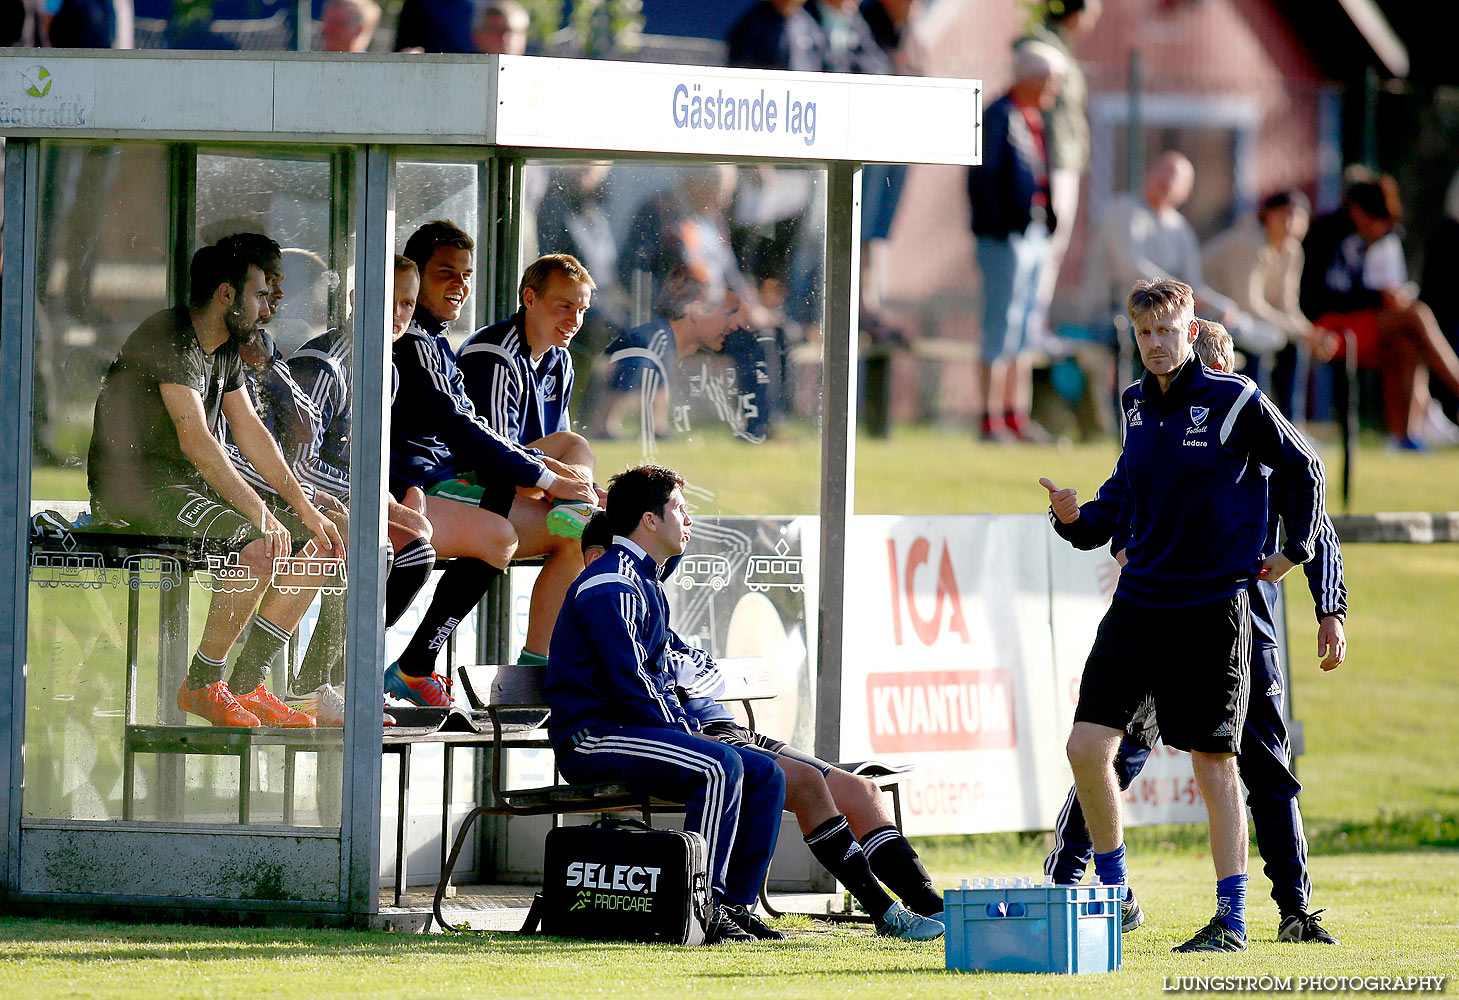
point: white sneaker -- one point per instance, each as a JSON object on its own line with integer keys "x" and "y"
{"x": 900, "y": 922}
{"x": 329, "y": 704}
{"x": 1439, "y": 430}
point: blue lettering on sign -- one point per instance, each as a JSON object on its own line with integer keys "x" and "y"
{"x": 730, "y": 113}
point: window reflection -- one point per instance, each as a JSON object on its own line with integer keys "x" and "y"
{"x": 172, "y": 438}
{"x": 701, "y": 349}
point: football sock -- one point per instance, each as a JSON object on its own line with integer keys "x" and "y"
{"x": 528, "y": 658}
{"x": 839, "y": 853}
{"x": 326, "y": 646}
{"x": 460, "y": 589}
{"x": 408, "y": 574}
{"x": 203, "y": 671}
{"x": 1110, "y": 868}
{"x": 896, "y": 864}
{"x": 1231, "y": 902}
{"x": 265, "y": 640}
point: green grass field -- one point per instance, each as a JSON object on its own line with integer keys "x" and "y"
{"x": 1381, "y": 801}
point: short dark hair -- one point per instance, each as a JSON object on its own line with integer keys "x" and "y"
{"x": 1293, "y": 199}
{"x": 598, "y": 532}
{"x": 256, "y": 248}
{"x": 212, "y": 266}
{"x": 639, "y": 491}
{"x": 681, "y": 288}
{"x": 541, "y": 270}
{"x": 1377, "y": 195}
{"x": 437, "y": 233}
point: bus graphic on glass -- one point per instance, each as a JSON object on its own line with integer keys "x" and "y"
{"x": 295, "y": 573}
{"x": 778, "y": 570}
{"x": 703, "y": 571}
{"x": 228, "y": 576}
{"x": 59, "y": 568}
{"x": 152, "y": 571}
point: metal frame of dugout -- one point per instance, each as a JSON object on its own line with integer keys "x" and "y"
{"x": 365, "y": 112}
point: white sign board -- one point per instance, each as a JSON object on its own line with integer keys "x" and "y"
{"x": 965, "y": 639}
{"x": 576, "y": 103}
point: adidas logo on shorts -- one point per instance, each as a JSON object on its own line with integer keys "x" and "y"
{"x": 1275, "y": 691}
{"x": 1224, "y": 729}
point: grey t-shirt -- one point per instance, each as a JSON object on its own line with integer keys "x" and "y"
{"x": 134, "y": 445}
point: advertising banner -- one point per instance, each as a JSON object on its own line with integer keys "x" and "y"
{"x": 966, "y": 637}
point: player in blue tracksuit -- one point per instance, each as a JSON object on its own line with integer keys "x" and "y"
{"x": 1191, "y": 477}
{"x": 518, "y": 374}
{"x": 615, "y": 716}
{"x": 1265, "y": 757}
{"x": 470, "y": 473}
{"x": 842, "y": 815}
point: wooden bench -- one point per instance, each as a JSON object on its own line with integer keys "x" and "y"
{"x": 505, "y": 694}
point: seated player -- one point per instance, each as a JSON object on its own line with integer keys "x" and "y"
{"x": 615, "y": 716}
{"x": 1265, "y": 756}
{"x": 324, "y": 367}
{"x": 469, "y": 472}
{"x": 658, "y": 360}
{"x": 519, "y": 375}
{"x": 157, "y": 466}
{"x": 814, "y": 791}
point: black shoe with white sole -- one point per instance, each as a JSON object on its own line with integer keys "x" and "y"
{"x": 1300, "y": 925}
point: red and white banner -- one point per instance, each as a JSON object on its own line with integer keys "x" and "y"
{"x": 965, "y": 639}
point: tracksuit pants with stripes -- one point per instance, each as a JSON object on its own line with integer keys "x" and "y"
{"x": 732, "y": 795}
{"x": 1265, "y": 762}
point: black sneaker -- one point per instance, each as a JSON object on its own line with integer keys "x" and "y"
{"x": 1215, "y": 936}
{"x": 750, "y": 923}
{"x": 722, "y": 927}
{"x": 1131, "y": 916}
{"x": 1300, "y": 925}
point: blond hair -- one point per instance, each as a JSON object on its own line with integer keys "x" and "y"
{"x": 1213, "y": 346}
{"x": 541, "y": 270}
{"x": 1159, "y": 296}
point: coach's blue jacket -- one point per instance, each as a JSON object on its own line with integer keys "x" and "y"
{"x": 1192, "y": 475}
{"x": 607, "y": 665}
{"x": 522, "y": 401}
{"x": 435, "y": 432}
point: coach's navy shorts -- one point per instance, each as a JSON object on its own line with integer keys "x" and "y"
{"x": 1194, "y": 662}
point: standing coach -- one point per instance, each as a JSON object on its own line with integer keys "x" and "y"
{"x": 1197, "y": 448}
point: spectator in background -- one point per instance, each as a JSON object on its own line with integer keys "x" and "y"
{"x": 1258, "y": 263}
{"x": 777, "y": 34}
{"x": 435, "y": 26}
{"x": 1012, "y": 219}
{"x": 348, "y": 25}
{"x": 1441, "y": 281}
{"x": 20, "y": 24}
{"x": 501, "y": 28}
{"x": 1066, "y": 131}
{"x": 890, "y": 23}
{"x": 850, "y": 45}
{"x": 1355, "y": 280}
{"x": 1142, "y": 237}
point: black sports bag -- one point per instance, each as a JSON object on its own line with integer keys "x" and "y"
{"x": 619, "y": 880}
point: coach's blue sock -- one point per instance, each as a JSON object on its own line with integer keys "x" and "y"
{"x": 1231, "y": 902}
{"x": 1109, "y": 868}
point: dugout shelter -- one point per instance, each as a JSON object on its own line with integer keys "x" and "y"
{"x": 118, "y": 166}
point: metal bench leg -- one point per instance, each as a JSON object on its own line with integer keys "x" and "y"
{"x": 290, "y": 762}
{"x": 245, "y": 785}
{"x": 129, "y": 782}
{"x": 450, "y": 866}
{"x": 400, "y": 823}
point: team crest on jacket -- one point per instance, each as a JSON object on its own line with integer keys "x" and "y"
{"x": 1199, "y": 415}
{"x": 549, "y": 388}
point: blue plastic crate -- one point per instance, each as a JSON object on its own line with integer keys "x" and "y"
{"x": 1042, "y": 928}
